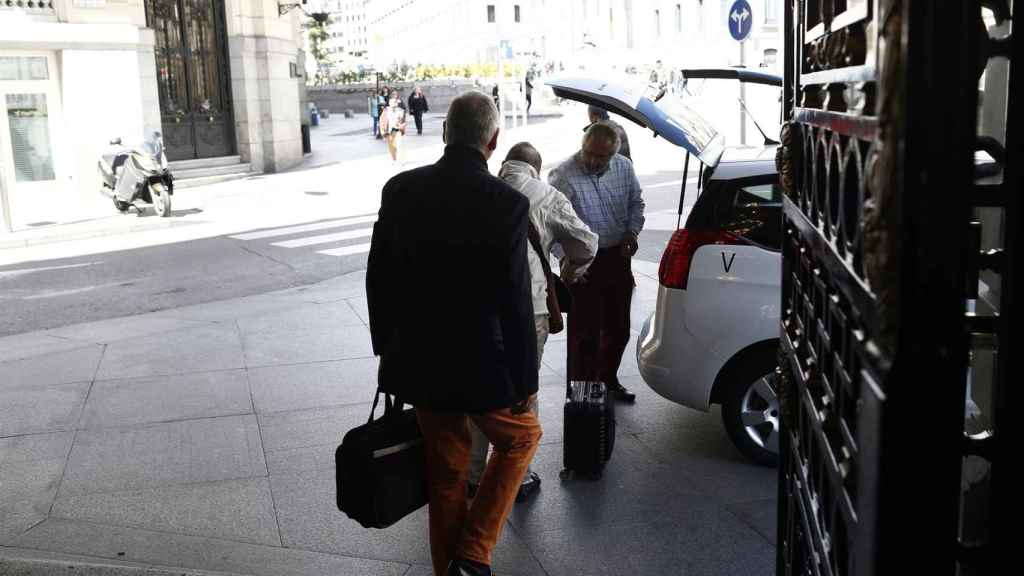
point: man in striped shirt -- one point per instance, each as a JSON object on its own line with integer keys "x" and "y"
{"x": 603, "y": 188}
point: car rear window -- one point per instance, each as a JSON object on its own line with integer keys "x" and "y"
{"x": 753, "y": 210}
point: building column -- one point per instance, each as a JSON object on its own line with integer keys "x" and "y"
{"x": 262, "y": 48}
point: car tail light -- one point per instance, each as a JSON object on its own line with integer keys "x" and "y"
{"x": 675, "y": 262}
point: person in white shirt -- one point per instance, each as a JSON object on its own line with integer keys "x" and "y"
{"x": 556, "y": 222}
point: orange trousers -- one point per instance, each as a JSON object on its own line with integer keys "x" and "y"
{"x": 471, "y": 532}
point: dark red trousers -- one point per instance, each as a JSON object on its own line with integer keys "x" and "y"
{"x": 599, "y": 319}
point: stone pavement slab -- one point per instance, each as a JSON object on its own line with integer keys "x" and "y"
{"x": 32, "y": 344}
{"x": 759, "y": 515}
{"x": 239, "y": 510}
{"x": 52, "y": 368}
{"x": 634, "y": 487}
{"x": 30, "y": 471}
{"x": 305, "y": 440}
{"x": 228, "y": 311}
{"x": 709, "y": 461}
{"x": 336, "y": 333}
{"x": 106, "y": 331}
{"x": 310, "y": 385}
{"x": 186, "y": 452}
{"x": 208, "y": 347}
{"x": 24, "y": 562}
{"x": 168, "y": 549}
{"x": 686, "y": 541}
{"x": 167, "y": 398}
{"x": 37, "y": 410}
{"x": 309, "y": 520}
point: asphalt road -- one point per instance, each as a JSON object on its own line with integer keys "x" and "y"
{"x": 56, "y": 293}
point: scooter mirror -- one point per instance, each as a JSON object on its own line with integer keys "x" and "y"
{"x": 115, "y": 142}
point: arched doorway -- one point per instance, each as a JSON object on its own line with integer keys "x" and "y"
{"x": 193, "y": 77}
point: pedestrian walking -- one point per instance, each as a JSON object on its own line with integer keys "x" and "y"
{"x": 596, "y": 114}
{"x": 555, "y": 222}
{"x": 392, "y": 125}
{"x": 373, "y": 102}
{"x": 529, "y": 92}
{"x": 382, "y": 103}
{"x": 418, "y": 107}
{"x": 604, "y": 190}
{"x": 497, "y": 97}
{"x": 432, "y": 221}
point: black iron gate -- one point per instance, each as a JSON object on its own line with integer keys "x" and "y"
{"x": 900, "y": 259}
{"x": 193, "y": 77}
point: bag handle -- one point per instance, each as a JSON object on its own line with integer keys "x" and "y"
{"x": 391, "y": 406}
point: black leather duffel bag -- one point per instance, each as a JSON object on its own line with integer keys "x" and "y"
{"x": 381, "y": 467}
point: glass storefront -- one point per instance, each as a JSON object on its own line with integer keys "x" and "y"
{"x": 30, "y": 137}
{"x": 30, "y": 153}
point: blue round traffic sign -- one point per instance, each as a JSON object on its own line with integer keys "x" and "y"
{"x": 741, "y": 20}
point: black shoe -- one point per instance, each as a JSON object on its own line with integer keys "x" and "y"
{"x": 530, "y": 485}
{"x": 620, "y": 393}
{"x": 460, "y": 567}
{"x": 471, "y": 489}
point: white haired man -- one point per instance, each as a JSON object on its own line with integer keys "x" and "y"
{"x": 555, "y": 221}
{"x": 605, "y": 192}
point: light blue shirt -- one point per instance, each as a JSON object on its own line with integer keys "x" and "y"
{"x": 609, "y": 203}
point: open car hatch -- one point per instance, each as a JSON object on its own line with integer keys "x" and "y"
{"x": 669, "y": 118}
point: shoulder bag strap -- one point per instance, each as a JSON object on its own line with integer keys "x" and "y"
{"x": 555, "y": 324}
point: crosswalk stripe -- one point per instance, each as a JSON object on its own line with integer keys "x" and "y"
{"x": 325, "y": 238}
{"x": 305, "y": 228}
{"x": 346, "y": 250}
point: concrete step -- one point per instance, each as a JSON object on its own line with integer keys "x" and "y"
{"x": 20, "y": 562}
{"x": 205, "y": 163}
{"x": 189, "y": 173}
{"x": 206, "y": 180}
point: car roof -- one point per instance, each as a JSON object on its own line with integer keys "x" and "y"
{"x": 746, "y": 161}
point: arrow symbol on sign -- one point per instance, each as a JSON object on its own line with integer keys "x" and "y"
{"x": 740, "y": 18}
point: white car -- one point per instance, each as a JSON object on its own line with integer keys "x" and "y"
{"x": 714, "y": 335}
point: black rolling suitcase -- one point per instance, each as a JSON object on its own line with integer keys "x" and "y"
{"x": 589, "y": 422}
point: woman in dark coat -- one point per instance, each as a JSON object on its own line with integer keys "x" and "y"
{"x": 417, "y": 107}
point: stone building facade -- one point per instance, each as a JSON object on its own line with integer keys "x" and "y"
{"x": 218, "y": 78}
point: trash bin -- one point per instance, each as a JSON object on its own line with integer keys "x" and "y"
{"x": 306, "y": 147}
{"x": 325, "y": 113}
{"x": 314, "y": 117}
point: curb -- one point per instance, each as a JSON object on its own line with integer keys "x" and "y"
{"x": 67, "y": 236}
{"x": 18, "y": 562}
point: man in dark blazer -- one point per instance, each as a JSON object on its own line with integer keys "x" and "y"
{"x": 451, "y": 317}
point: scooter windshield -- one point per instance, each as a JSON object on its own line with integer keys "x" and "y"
{"x": 151, "y": 147}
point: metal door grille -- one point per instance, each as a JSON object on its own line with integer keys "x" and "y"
{"x": 193, "y": 77}
{"x": 882, "y": 259}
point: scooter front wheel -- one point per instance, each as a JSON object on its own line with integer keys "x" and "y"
{"x": 122, "y": 207}
{"x": 161, "y": 199}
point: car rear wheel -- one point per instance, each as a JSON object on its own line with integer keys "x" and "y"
{"x": 750, "y": 411}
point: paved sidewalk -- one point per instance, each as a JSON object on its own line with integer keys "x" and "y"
{"x": 203, "y": 438}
